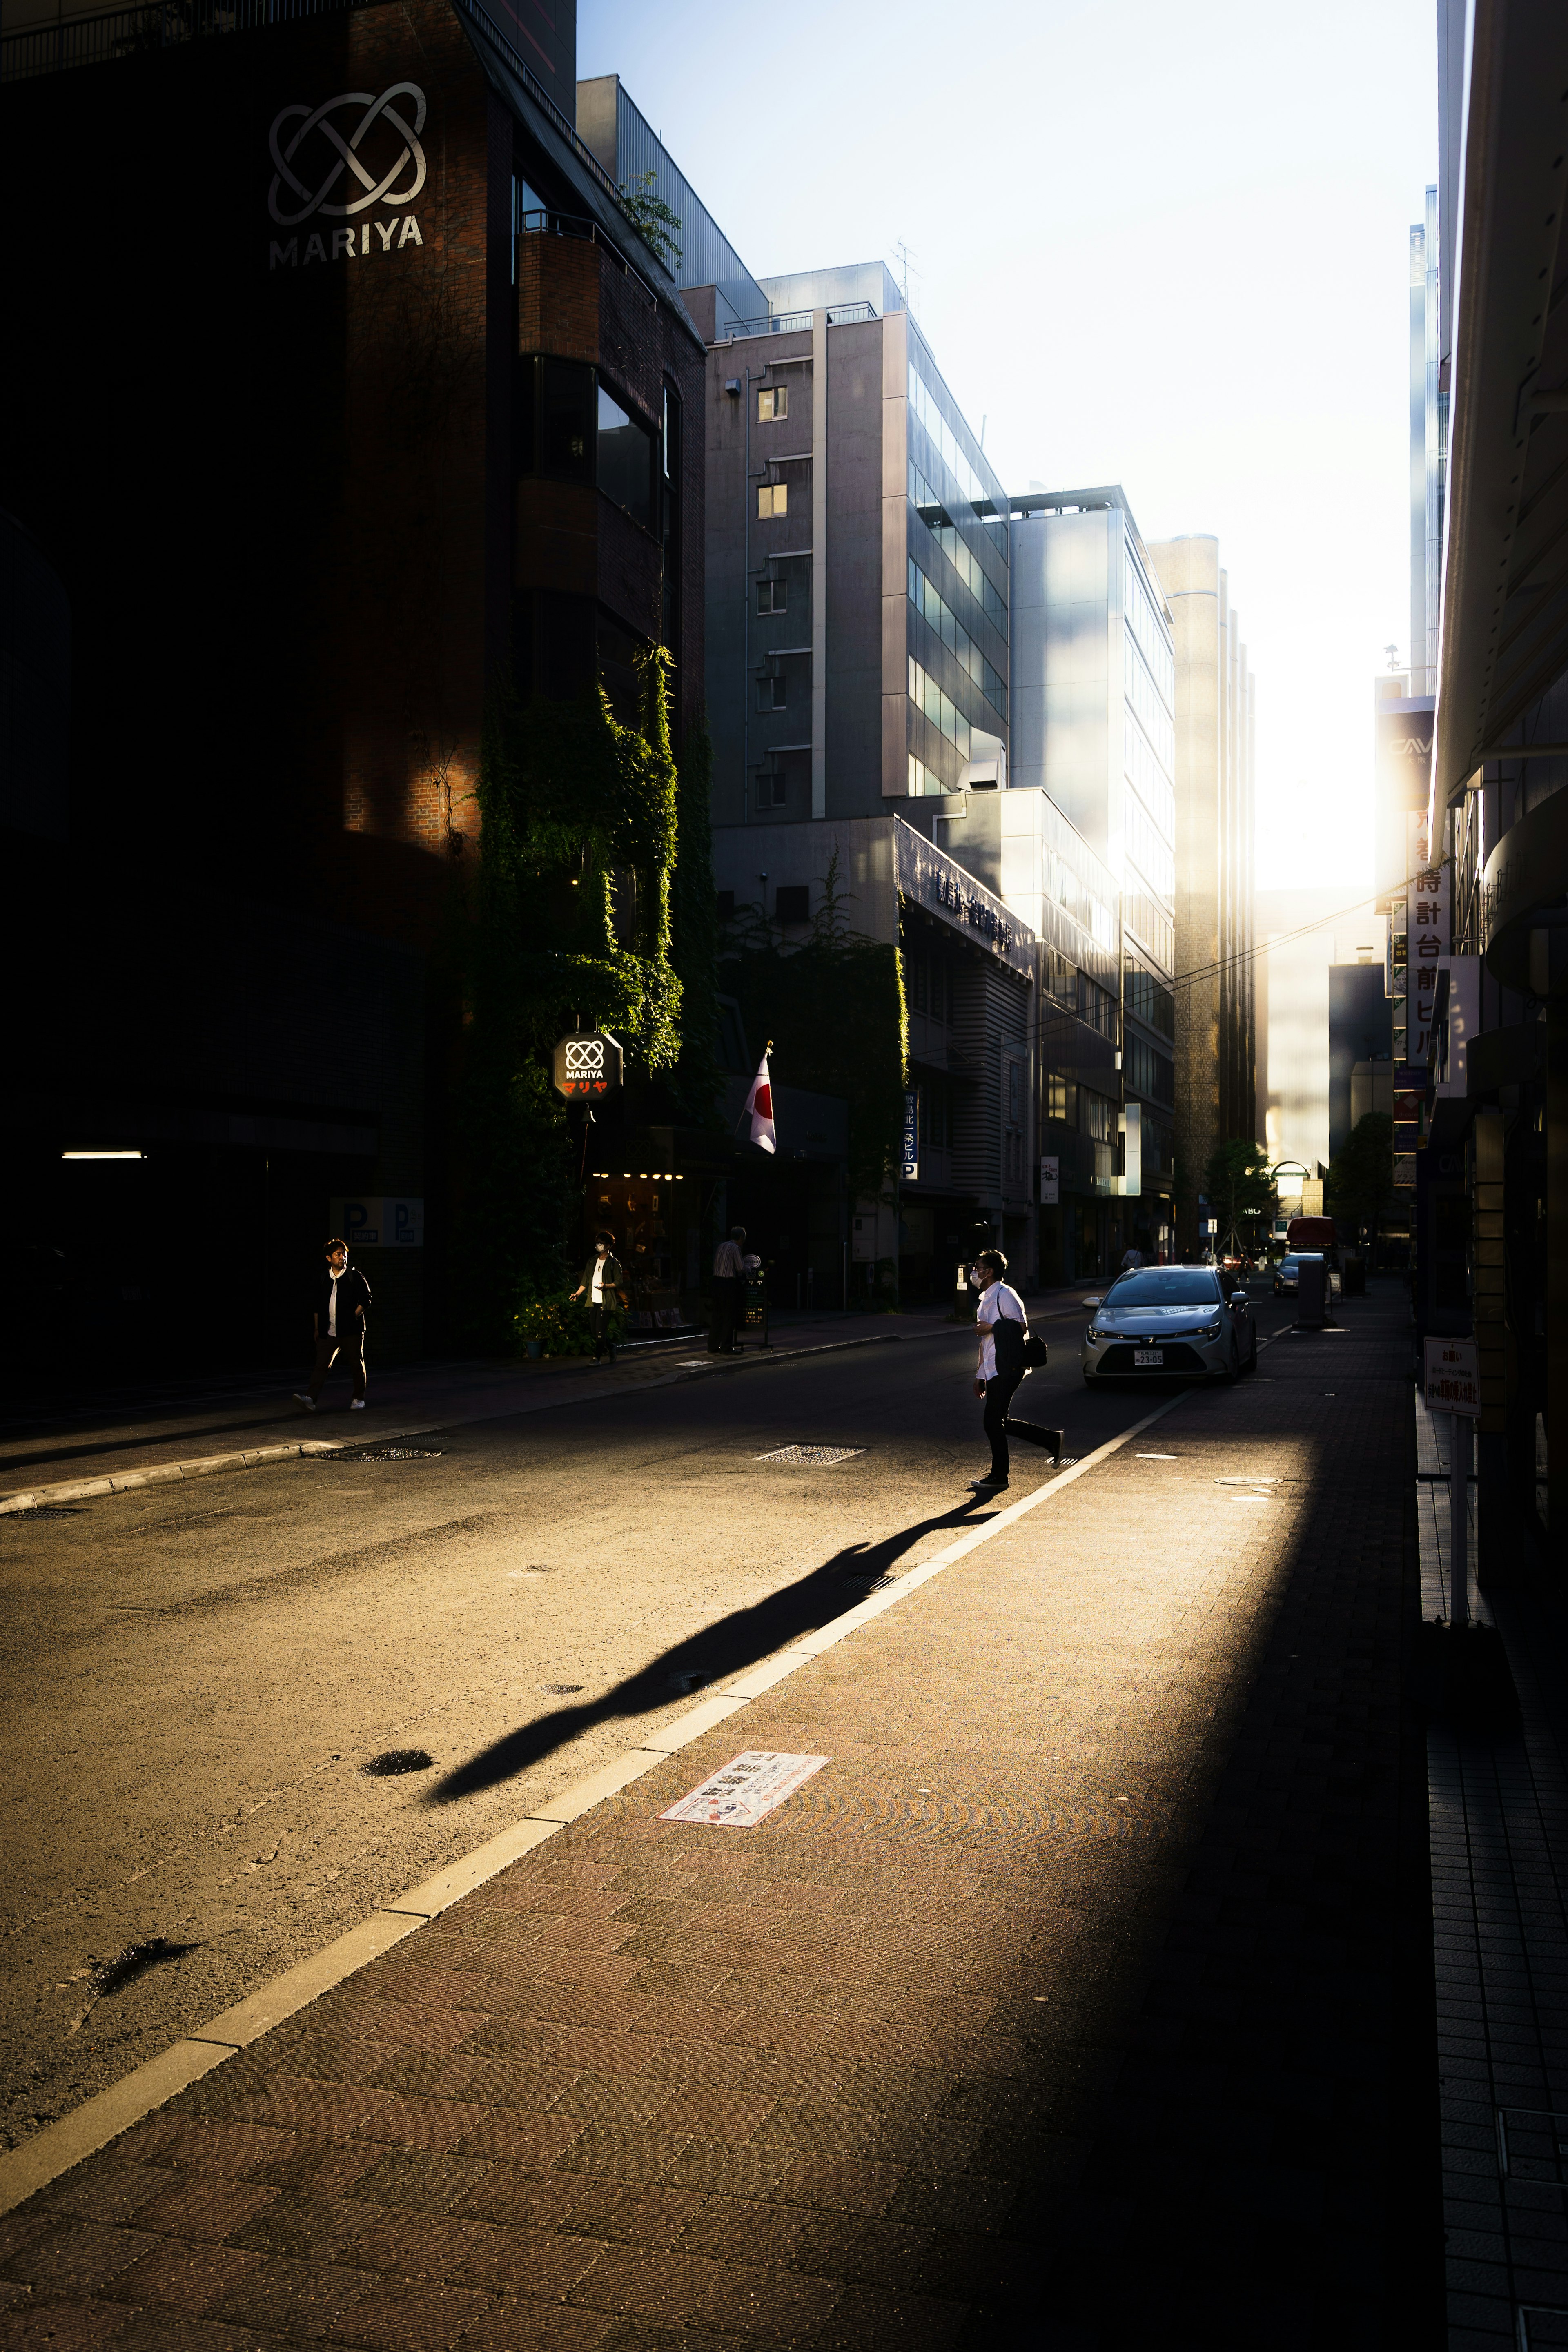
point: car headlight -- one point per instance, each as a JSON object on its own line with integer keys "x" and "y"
{"x": 1202, "y": 1332}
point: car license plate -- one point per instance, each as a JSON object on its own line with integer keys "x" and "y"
{"x": 1148, "y": 1355}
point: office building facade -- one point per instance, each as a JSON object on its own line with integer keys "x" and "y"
{"x": 1093, "y": 730}
{"x": 1489, "y": 1106}
{"x": 397, "y": 427}
{"x": 1215, "y": 1000}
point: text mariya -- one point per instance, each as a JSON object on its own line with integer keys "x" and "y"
{"x": 347, "y": 244}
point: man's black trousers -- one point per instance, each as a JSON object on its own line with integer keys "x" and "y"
{"x": 999, "y": 1395}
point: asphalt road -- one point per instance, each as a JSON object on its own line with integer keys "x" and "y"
{"x": 196, "y": 1675}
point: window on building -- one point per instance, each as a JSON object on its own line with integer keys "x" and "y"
{"x": 1149, "y": 1073}
{"x": 772, "y": 693}
{"x": 625, "y": 460}
{"x": 791, "y": 902}
{"x": 771, "y": 792}
{"x": 726, "y": 905}
{"x": 936, "y": 1113}
{"x": 566, "y": 405}
{"x": 772, "y": 402}
{"x": 772, "y": 499}
{"x": 669, "y": 512}
{"x": 1061, "y": 1101}
{"x": 773, "y": 595}
{"x": 1014, "y": 1091}
{"x": 1097, "y": 1116}
{"x": 1150, "y": 1001}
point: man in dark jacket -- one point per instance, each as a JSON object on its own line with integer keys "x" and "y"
{"x": 603, "y": 1281}
{"x": 343, "y": 1295}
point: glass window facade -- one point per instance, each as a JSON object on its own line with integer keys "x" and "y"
{"x": 944, "y": 715}
{"x": 1148, "y": 1072}
{"x": 1147, "y": 627}
{"x": 934, "y": 609}
{"x": 1150, "y": 1001}
{"x": 1147, "y": 778}
{"x": 942, "y": 528}
{"x": 1148, "y": 921}
{"x": 923, "y": 780}
{"x": 1151, "y": 856}
{"x": 624, "y": 461}
{"x": 772, "y": 499}
{"x": 1144, "y": 697}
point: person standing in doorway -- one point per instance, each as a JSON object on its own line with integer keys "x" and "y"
{"x": 1003, "y": 1323}
{"x": 603, "y": 1282}
{"x": 337, "y": 1325}
{"x": 729, "y": 1291}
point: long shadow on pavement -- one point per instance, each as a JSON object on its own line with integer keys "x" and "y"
{"x": 732, "y": 1646}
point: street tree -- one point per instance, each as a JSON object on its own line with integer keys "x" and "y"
{"x": 1360, "y": 1184}
{"x": 1240, "y": 1190}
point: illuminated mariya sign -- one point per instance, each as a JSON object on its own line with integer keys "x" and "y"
{"x": 343, "y": 159}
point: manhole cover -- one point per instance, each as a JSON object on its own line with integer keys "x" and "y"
{"x": 397, "y": 1759}
{"x": 559, "y": 1690}
{"x": 821, "y": 1454}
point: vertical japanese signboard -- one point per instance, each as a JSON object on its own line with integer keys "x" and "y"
{"x": 912, "y": 1135}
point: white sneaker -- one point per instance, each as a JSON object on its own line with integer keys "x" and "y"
{"x": 309, "y": 1402}
{"x": 358, "y": 1405}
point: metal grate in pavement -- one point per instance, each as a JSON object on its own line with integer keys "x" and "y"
{"x": 818, "y": 1456}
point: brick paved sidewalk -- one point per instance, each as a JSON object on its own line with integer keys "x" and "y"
{"x": 1083, "y": 1999}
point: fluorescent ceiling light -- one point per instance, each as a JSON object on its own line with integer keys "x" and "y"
{"x": 114, "y": 1154}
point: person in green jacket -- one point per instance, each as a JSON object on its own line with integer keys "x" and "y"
{"x": 602, "y": 1282}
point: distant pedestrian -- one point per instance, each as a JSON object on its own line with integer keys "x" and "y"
{"x": 1131, "y": 1259}
{"x": 729, "y": 1292}
{"x": 1002, "y": 1324}
{"x": 337, "y": 1325}
{"x": 604, "y": 1281}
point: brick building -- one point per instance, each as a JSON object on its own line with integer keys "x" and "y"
{"x": 349, "y": 379}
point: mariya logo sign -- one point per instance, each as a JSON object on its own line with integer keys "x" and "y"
{"x": 353, "y": 155}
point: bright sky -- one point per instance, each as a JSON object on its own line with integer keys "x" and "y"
{"x": 1160, "y": 245}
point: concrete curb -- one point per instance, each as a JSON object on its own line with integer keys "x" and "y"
{"x": 42, "y": 2159}
{"x": 119, "y": 1481}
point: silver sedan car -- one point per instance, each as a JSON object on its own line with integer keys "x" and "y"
{"x": 1165, "y": 1321}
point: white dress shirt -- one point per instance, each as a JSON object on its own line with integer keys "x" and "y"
{"x": 999, "y": 1299}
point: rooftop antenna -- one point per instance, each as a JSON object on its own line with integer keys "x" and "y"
{"x": 905, "y": 258}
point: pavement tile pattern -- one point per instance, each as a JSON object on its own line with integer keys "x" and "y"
{"x": 1499, "y": 1809}
{"x": 1083, "y": 1999}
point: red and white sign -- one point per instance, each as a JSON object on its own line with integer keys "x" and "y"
{"x": 742, "y": 1792}
{"x": 1453, "y": 1380}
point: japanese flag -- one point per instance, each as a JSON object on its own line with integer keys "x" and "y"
{"x": 760, "y": 1108}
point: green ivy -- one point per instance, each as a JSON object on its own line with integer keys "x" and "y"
{"x": 569, "y": 923}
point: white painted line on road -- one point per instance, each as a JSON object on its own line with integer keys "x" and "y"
{"x": 55, "y": 2150}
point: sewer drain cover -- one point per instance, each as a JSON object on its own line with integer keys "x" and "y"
{"x": 397, "y": 1759}
{"x": 398, "y": 1454}
{"x": 559, "y": 1690}
{"x": 866, "y": 1585}
{"x": 43, "y": 1511}
{"x": 815, "y": 1454}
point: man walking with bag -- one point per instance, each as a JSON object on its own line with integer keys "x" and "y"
{"x": 343, "y": 1295}
{"x": 1007, "y": 1355}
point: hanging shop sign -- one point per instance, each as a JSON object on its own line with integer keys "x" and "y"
{"x": 912, "y": 1135}
{"x": 587, "y": 1066}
